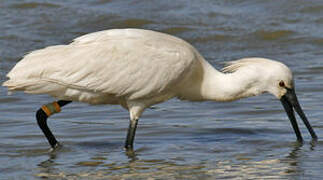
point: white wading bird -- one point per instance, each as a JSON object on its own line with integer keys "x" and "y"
{"x": 138, "y": 68}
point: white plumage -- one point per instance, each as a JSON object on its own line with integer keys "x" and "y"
{"x": 123, "y": 66}
{"x": 112, "y": 66}
{"x": 106, "y": 67}
{"x": 138, "y": 68}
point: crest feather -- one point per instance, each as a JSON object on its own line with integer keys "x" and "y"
{"x": 233, "y": 66}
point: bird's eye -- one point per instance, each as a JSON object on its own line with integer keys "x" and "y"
{"x": 281, "y": 84}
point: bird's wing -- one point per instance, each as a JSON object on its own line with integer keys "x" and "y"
{"x": 129, "y": 67}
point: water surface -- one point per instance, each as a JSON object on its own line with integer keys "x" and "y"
{"x": 247, "y": 139}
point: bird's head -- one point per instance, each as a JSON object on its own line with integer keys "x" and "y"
{"x": 281, "y": 84}
{"x": 276, "y": 78}
{"x": 283, "y": 88}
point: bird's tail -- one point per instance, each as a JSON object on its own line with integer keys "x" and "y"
{"x": 31, "y": 87}
{"x": 14, "y": 85}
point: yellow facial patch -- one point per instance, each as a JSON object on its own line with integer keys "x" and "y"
{"x": 51, "y": 108}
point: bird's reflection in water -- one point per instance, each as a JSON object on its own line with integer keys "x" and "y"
{"x": 141, "y": 163}
{"x": 47, "y": 167}
{"x": 295, "y": 156}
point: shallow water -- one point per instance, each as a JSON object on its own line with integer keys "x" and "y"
{"x": 247, "y": 139}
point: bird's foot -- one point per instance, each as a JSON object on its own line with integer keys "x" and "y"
{"x": 56, "y": 147}
{"x": 131, "y": 153}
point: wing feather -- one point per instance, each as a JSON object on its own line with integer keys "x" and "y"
{"x": 122, "y": 64}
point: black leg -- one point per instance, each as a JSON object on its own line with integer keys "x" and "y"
{"x": 42, "y": 115}
{"x": 131, "y": 134}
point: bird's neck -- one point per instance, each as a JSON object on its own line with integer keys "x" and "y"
{"x": 218, "y": 86}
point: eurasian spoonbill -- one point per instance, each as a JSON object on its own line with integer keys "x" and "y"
{"x": 139, "y": 68}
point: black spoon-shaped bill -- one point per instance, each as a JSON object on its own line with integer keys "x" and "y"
{"x": 290, "y": 103}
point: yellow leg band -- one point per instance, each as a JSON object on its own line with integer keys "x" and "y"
{"x": 51, "y": 108}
